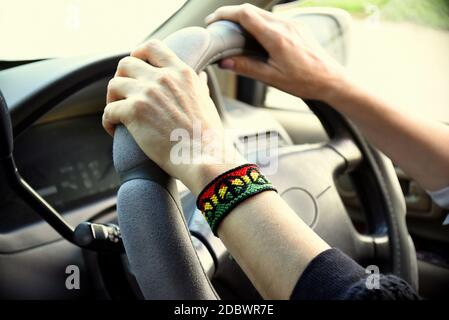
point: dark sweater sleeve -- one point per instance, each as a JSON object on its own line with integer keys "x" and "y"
{"x": 332, "y": 275}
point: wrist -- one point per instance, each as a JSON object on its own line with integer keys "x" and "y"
{"x": 228, "y": 190}
{"x": 197, "y": 176}
{"x": 338, "y": 89}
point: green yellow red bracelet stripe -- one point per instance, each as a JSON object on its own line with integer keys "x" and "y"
{"x": 228, "y": 190}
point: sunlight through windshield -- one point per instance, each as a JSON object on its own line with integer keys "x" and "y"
{"x": 55, "y": 28}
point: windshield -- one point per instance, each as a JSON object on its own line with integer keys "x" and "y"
{"x": 57, "y": 28}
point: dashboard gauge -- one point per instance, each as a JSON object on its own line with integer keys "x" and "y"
{"x": 68, "y": 162}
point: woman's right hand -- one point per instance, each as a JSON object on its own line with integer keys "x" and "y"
{"x": 297, "y": 64}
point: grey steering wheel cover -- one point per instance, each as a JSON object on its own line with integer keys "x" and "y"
{"x": 155, "y": 234}
{"x": 402, "y": 248}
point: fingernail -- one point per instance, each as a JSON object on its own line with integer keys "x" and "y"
{"x": 209, "y": 18}
{"x": 227, "y": 64}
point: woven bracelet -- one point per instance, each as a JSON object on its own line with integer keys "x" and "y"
{"x": 228, "y": 190}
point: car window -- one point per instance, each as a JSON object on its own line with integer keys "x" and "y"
{"x": 49, "y": 28}
{"x": 399, "y": 49}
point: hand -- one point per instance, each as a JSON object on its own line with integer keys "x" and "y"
{"x": 160, "y": 99}
{"x": 297, "y": 64}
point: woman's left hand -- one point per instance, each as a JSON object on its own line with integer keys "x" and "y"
{"x": 153, "y": 94}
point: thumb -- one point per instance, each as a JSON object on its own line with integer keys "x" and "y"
{"x": 249, "y": 67}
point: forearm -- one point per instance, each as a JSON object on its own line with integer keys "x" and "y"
{"x": 418, "y": 146}
{"x": 268, "y": 240}
{"x": 271, "y": 243}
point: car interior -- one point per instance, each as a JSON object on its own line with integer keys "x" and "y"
{"x": 71, "y": 193}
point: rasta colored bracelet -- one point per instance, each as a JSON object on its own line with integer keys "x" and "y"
{"x": 228, "y": 190}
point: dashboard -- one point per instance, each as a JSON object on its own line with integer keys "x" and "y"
{"x": 68, "y": 162}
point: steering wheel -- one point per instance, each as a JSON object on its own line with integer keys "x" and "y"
{"x": 157, "y": 240}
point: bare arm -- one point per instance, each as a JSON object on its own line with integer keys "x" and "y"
{"x": 419, "y": 146}
{"x": 299, "y": 66}
{"x": 271, "y": 243}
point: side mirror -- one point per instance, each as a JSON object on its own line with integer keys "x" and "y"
{"x": 330, "y": 26}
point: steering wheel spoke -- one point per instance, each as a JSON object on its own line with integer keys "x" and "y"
{"x": 347, "y": 149}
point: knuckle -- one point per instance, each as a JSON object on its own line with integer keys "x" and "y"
{"x": 241, "y": 65}
{"x": 138, "y": 49}
{"x": 150, "y": 90}
{"x": 219, "y": 12}
{"x": 186, "y": 72}
{"x": 139, "y": 107}
{"x": 222, "y": 11}
{"x": 166, "y": 78}
{"x": 106, "y": 113}
{"x": 155, "y": 42}
{"x": 112, "y": 84}
{"x": 247, "y": 7}
{"x": 246, "y": 11}
{"x": 282, "y": 42}
{"x": 152, "y": 44}
{"x": 124, "y": 63}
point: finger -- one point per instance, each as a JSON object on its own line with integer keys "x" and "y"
{"x": 108, "y": 127}
{"x": 250, "y": 18}
{"x": 115, "y": 113}
{"x": 156, "y": 53}
{"x": 120, "y": 88}
{"x": 249, "y": 67}
{"x": 203, "y": 79}
{"x": 135, "y": 68}
{"x": 264, "y": 13}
